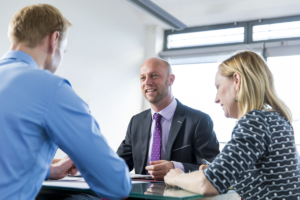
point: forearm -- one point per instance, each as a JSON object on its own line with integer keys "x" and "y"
{"x": 196, "y": 182}
{"x": 105, "y": 172}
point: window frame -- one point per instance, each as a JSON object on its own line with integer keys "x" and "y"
{"x": 271, "y": 21}
{"x": 248, "y": 30}
{"x": 205, "y": 28}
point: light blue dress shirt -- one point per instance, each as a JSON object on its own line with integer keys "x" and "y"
{"x": 40, "y": 112}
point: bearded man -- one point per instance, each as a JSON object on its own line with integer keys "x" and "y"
{"x": 169, "y": 135}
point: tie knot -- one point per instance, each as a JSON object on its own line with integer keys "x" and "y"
{"x": 157, "y": 117}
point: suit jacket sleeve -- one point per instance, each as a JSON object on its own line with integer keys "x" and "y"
{"x": 205, "y": 145}
{"x": 125, "y": 149}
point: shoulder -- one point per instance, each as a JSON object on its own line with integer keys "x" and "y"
{"x": 260, "y": 114}
{"x": 141, "y": 116}
{"x": 255, "y": 122}
{"x": 262, "y": 117}
{"x": 25, "y": 75}
{"x": 254, "y": 117}
{"x": 191, "y": 113}
{"x": 44, "y": 77}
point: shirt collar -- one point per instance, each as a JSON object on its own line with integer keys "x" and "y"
{"x": 167, "y": 112}
{"x": 20, "y": 56}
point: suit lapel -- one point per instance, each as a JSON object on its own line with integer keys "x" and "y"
{"x": 176, "y": 124}
{"x": 145, "y": 135}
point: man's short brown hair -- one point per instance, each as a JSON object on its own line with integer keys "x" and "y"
{"x": 33, "y": 23}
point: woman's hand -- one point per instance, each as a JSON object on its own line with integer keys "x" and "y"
{"x": 194, "y": 182}
{"x": 202, "y": 167}
{"x": 170, "y": 178}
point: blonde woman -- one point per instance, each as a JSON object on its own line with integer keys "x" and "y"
{"x": 260, "y": 161}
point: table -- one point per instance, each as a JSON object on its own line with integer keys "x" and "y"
{"x": 152, "y": 190}
{"x": 161, "y": 191}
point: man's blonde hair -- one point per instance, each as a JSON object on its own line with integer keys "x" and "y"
{"x": 33, "y": 23}
{"x": 257, "y": 85}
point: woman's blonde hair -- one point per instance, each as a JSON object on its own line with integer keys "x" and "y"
{"x": 257, "y": 85}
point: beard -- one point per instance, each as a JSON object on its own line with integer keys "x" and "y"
{"x": 161, "y": 93}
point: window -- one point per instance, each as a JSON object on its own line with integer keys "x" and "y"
{"x": 276, "y": 31}
{"x": 194, "y": 86}
{"x": 250, "y": 32}
{"x": 203, "y": 38}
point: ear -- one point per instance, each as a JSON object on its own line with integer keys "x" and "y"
{"x": 172, "y": 79}
{"x": 237, "y": 81}
{"x": 53, "y": 41}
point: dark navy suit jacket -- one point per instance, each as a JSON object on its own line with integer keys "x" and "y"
{"x": 191, "y": 139}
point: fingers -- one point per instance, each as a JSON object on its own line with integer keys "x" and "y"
{"x": 73, "y": 171}
{"x": 169, "y": 178}
{"x": 175, "y": 172}
{"x": 155, "y": 167}
{"x": 157, "y": 162}
{"x": 159, "y": 169}
{"x": 157, "y": 173}
{"x": 172, "y": 171}
{"x": 202, "y": 167}
{"x": 66, "y": 164}
{"x": 178, "y": 170}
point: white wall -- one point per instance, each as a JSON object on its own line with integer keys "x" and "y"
{"x": 153, "y": 46}
{"x": 106, "y": 46}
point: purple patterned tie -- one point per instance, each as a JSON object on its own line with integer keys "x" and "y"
{"x": 155, "y": 153}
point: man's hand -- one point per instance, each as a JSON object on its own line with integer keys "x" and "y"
{"x": 171, "y": 176}
{"x": 158, "y": 169}
{"x": 62, "y": 168}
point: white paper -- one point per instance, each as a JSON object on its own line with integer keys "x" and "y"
{"x": 150, "y": 181}
{"x": 68, "y": 178}
{"x": 68, "y": 182}
{"x": 79, "y": 183}
{"x": 140, "y": 176}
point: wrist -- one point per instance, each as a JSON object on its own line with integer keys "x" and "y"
{"x": 53, "y": 171}
{"x": 172, "y": 165}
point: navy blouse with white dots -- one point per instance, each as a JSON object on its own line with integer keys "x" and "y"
{"x": 260, "y": 161}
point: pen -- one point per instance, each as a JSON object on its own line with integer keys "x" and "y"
{"x": 205, "y": 162}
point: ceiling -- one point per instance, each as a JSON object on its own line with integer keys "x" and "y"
{"x": 211, "y": 12}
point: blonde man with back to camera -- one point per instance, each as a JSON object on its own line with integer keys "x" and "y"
{"x": 41, "y": 111}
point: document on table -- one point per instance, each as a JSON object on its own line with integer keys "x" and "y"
{"x": 79, "y": 183}
{"x": 140, "y": 176}
{"x": 67, "y": 182}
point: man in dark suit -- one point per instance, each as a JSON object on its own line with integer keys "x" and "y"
{"x": 169, "y": 135}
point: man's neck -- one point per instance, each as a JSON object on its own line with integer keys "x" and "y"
{"x": 162, "y": 104}
{"x": 36, "y": 53}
